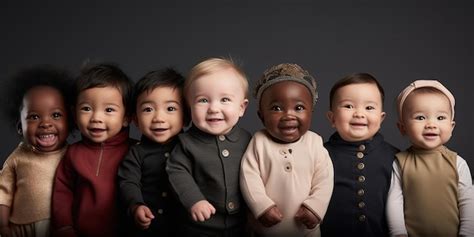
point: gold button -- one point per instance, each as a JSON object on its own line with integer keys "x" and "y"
{"x": 167, "y": 154}
{"x": 362, "y": 218}
{"x": 231, "y": 205}
{"x": 164, "y": 194}
{"x": 362, "y": 147}
{"x": 160, "y": 211}
{"x": 361, "y": 204}
{"x": 360, "y": 192}
{"x": 361, "y": 178}
{"x": 225, "y": 153}
{"x": 360, "y": 166}
{"x": 288, "y": 167}
{"x": 221, "y": 138}
{"x": 360, "y": 155}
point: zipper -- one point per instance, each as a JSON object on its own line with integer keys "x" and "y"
{"x": 100, "y": 159}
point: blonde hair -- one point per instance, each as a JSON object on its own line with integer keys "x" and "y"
{"x": 212, "y": 65}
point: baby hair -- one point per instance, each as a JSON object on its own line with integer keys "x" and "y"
{"x": 26, "y": 79}
{"x": 104, "y": 75}
{"x": 167, "y": 77}
{"x": 355, "y": 78}
{"x": 211, "y": 65}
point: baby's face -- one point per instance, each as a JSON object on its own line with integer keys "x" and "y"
{"x": 356, "y": 111}
{"x": 160, "y": 113}
{"x": 427, "y": 120}
{"x": 217, "y": 101}
{"x": 100, "y": 113}
{"x": 44, "y": 119}
{"x": 286, "y": 111}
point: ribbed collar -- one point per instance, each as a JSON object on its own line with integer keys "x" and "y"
{"x": 120, "y": 138}
{"x": 369, "y": 144}
{"x": 232, "y": 136}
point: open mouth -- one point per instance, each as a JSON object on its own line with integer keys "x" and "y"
{"x": 288, "y": 130}
{"x": 359, "y": 125}
{"x": 47, "y": 140}
{"x": 214, "y": 120}
{"x": 159, "y": 130}
{"x": 96, "y": 131}
{"x": 430, "y": 136}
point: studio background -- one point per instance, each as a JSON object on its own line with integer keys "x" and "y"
{"x": 396, "y": 41}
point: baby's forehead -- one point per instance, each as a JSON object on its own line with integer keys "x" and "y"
{"x": 350, "y": 90}
{"x": 168, "y": 90}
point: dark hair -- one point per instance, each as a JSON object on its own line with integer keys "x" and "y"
{"x": 167, "y": 77}
{"x": 104, "y": 75}
{"x": 16, "y": 87}
{"x": 355, "y": 78}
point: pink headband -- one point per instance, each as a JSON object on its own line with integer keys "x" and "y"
{"x": 419, "y": 84}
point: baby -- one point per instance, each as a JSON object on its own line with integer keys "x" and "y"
{"x": 287, "y": 174}
{"x": 428, "y": 176}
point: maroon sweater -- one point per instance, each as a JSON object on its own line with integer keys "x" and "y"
{"x": 84, "y": 193}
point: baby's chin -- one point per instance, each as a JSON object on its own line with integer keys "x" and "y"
{"x": 350, "y": 138}
{"x": 52, "y": 147}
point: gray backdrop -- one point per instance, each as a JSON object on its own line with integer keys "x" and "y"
{"x": 397, "y": 41}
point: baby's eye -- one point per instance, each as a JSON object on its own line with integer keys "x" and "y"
{"x": 33, "y": 117}
{"x": 57, "y": 115}
{"x": 420, "y": 117}
{"x": 109, "y": 110}
{"x": 441, "y": 117}
{"x": 86, "y": 108}
{"x": 171, "y": 108}
{"x": 147, "y": 109}
{"x": 203, "y": 100}
{"x": 299, "y": 108}
{"x": 370, "y": 107}
{"x": 276, "y": 108}
{"x": 348, "y": 106}
{"x": 225, "y": 99}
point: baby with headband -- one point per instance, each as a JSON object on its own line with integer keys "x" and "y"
{"x": 431, "y": 192}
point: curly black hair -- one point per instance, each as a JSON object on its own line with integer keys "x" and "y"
{"x": 15, "y": 88}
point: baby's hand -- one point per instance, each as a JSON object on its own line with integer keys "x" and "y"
{"x": 143, "y": 216}
{"x": 271, "y": 217}
{"x": 202, "y": 210}
{"x": 308, "y": 218}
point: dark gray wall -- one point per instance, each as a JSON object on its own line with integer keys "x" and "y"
{"x": 397, "y": 42}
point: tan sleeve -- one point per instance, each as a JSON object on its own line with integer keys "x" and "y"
{"x": 8, "y": 181}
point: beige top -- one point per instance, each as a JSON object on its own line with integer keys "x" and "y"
{"x": 288, "y": 176}
{"x": 429, "y": 183}
{"x": 26, "y": 183}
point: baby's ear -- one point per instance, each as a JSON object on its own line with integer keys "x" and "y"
{"x": 382, "y": 116}
{"x": 126, "y": 121}
{"x": 401, "y": 128}
{"x": 330, "y": 117}
{"x": 19, "y": 130}
{"x": 243, "y": 107}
